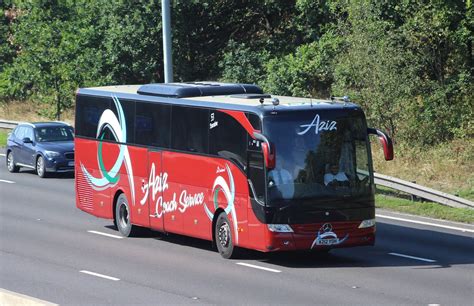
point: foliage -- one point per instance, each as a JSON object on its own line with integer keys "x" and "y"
{"x": 51, "y": 54}
{"x": 244, "y": 65}
{"x": 6, "y": 48}
{"x": 306, "y": 72}
{"x": 408, "y": 63}
{"x": 204, "y": 30}
{"x": 373, "y": 67}
{"x": 131, "y": 41}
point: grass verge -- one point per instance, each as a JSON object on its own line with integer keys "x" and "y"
{"x": 3, "y": 137}
{"x": 447, "y": 167}
{"x": 426, "y": 209}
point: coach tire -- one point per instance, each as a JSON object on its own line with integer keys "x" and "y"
{"x": 224, "y": 237}
{"x": 11, "y": 163}
{"x": 41, "y": 167}
{"x": 122, "y": 217}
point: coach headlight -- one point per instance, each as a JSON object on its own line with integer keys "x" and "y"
{"x": 367, "y": 223}
{"x": 280, "y": 228}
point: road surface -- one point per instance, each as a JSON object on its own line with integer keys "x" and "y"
{"x": 50, "y": 250}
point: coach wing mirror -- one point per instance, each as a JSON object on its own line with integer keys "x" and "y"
{"x": 27, "y": 140}
{"x": 385, "y": 141}
{"x": 269, "y": 155}
{"x": 268, "y": 150}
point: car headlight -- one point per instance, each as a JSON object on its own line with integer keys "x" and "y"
{"x": 367, "y": 223}
{"x": 280, "y": 228}
{"x": 51, "y": 154}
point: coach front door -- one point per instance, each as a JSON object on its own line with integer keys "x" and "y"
{"x": 157, "y": 183}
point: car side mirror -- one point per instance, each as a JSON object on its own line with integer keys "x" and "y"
{"x": 27, "y": 140}
{"x": 385, "y": 141}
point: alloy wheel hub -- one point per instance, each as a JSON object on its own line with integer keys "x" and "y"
{"x": 224, "y": 234}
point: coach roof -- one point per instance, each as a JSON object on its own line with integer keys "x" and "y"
{"x": 217, "y": 95}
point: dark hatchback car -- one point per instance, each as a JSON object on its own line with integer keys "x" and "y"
{"x": 43, "y": 146}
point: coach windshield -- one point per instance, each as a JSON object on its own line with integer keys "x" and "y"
{"x": 320, "y": 155}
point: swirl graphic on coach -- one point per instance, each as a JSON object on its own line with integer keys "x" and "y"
{"x": 118, "y": 128}
{"x": 220, "y": 185}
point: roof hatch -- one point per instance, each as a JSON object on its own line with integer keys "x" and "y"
{"x": 197, "y": 89}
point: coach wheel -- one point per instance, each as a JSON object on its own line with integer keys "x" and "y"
{"x": 40, "y": 167}
{"x": 122, "y": 217}
{"x": 11, "y": 163}
{"x": 224, "y": 237}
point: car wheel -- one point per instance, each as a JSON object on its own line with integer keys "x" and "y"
{"x": 224, "y": 237}
{"x": 11, "y": 163}
{"x": 122, "y": 217}
{"x": 41, "y": 167}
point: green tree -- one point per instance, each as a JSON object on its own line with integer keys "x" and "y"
{"x": 7, "y": 51}
{"x": 51, "y": 60}
{"x": 438, "y": 35}
{"x": 405, "y": 63}
{"x": 241, "y": 64}
{"x": 132, "y": 41}
{"x": 373, "y": 66}
{"x": 306, "y": 72}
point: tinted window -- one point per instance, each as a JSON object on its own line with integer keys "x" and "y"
{"x": 227, "y": 138}
{"x": 54, "y": 133}
{"x": 88, "y": 112}
{"x": 128, "y": 108}
{"x": 152, "y": 124}
{"x": 256, "y": 175}
{"x": 319, "y": 154}
{"x": 189, "y": 129}
{"x": 254, "y": 144}
{"x": 255, "y": 121}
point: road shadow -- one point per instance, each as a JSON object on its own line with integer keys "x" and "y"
{"x": 171, "y": 238}
{"x": 446, "y": 248}
{"x": 50, "y": 175}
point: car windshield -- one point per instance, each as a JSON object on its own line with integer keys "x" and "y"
{"x": 54, "y": 133}
{"x": 321, "y": 154}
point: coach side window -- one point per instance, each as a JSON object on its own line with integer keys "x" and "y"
{"x": 227, "y": 138}
{"x": 255, "y": 121}
{"x": 189, "y": 129}
{"x": 256, "y": 169}
{"x": 88, "y": 112}
{"x": 128, "y": 108}
{"x": 152, "y": 124}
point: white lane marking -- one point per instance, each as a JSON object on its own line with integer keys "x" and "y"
{"x": 1, "y": 154}
{"x": 427, "y": 223}
{"x": 105, "y": 234}
{"x": 100, "y": 275}
{"x": 258, "y": 267}
{"x": 412, "y": 257}
{"x": 7, "y": 181}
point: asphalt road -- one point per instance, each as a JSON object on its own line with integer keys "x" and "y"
{"x": 50, "y": 250}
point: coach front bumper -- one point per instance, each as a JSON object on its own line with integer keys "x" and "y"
{"x": 321, "y": 236}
